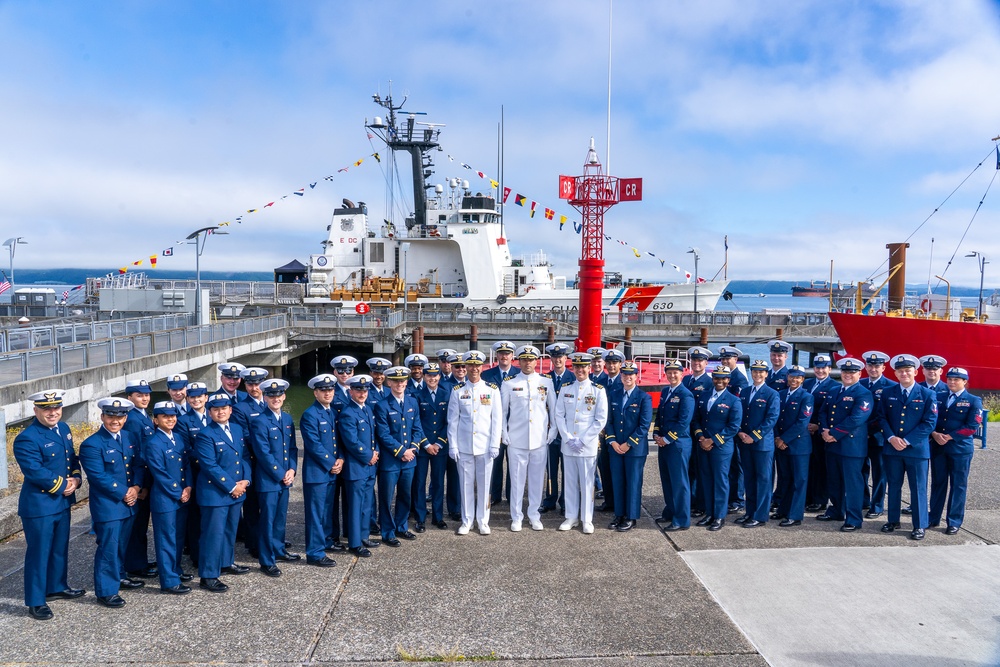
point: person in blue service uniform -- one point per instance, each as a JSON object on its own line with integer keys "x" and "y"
{"x": 718, "y": 421}
{"x": 44, "y": 452}
{"x": 177, "y": 390}
{"x": 321, "y": 463}
{"x": 246, "y": 410}
{"x": 559, "y": 375}
{"x": 699, "y": 383}
{"x": 223, "y": 478}
{"x": 729, "y": 357}
{"x": 907, "y": 415}
{"x": 356, "y": 441}
{"x": 672, "y": 435}
{"x": 400, "y": 436}
{"x": 777, "y": 377}
{"x": 960, "y": 415}
{"x": 597, "y": 373}
{"x": 116, "y": 475}
{"x": 453, "y": 481}
{"x": 627, "y": 438}
{"x": 820, "y": 387}
{"x": 932, "y": 366}
{"x": 343, "y": 366}
{"x": 613, "y": 360}
{"x": 377, "y": 366}
{"x": 876, "y": 383}
{"x": 139, "y": 427}
{"x": 504, "y": 370}
{"x": 793, "y": 445}
{"x": 444, "y": 361}
{"x": 272, "y": 437}
{"x": 415, "y": 363}
{"x": 755, "y": 439}
{"x": 187, "y": 429}
{"x": 170, "y": 490}
{"x": 844, "y": 424}
{"x": 433, "y": 454}
{"x": 230, "y": 376}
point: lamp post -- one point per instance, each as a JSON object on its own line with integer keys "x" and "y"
{"x": 981, "y": 260}
{"x": 199, "y": 238}
{"x": 697, "y": 256}
{"x": 11, "y": 244}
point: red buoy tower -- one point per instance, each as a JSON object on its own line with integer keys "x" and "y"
{"x": 592, "y": 194}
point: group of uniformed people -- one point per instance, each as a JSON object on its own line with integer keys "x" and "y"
{"x": 207, "y": 469}
{"x": 777, "y": 445}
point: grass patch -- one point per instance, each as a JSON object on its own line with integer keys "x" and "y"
{"x": 80, "y": 431}
{"x": 992, "y": 403}
{"x": 453, "y": 654}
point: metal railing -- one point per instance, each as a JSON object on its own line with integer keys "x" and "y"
{"x": 37, "y": 336}
{"x": 374, "y": 319}
{"x": 42, "y": 362}
{"x": 237, "y": 292}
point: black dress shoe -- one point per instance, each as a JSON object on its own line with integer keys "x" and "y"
{"x": 544, "y": 509}
{"x": 391, "y": 541}
{"x": 321, "y": 562}
{"x": 213, "y": 586}
{"x": 131, "y": 583}
{"x": 40, "y": 613}
{"x": 455, "y": 516}
{"x": 776, "y": 517}
{"x": 743, "y": 519}
{"x": 185, "y": 577}
{"x": 917, "y": 534}
{"x": 848, "y": 528}
{"x": 889, "y": 527}
{"x": 951, "y": 530}
{"x": 408, "y": 536}
{"x": 872, "y": 514}
{"x": 673, "y": 528}
{"x": 752, "y": 523}
{"x": 907, "y": 510}
{"x": 270, "y": 570}
{"x": 179, "y": 589}
{"x": 661, "y": 521}
{"x": 420, "y": 527}
{"x": 370, "y": 544}
{"x": 68, "y": 594}
{"x": 625, "y": 525}
{"x": 934, "y": 525}
{"x": 704, "y": 521}
{"x": 441, "y": 525}
{"x": 827, "y": 517}
{"x": 288, "y": 558}
{"x": 696, "y": 513}
{"x": 147, "y": 573}
{"x": 734, "y": 508}
{"x": 614, "y": 522}
{"x": 360, "y": 552}
{"x": 375, "y": 529}
{"x": 236, "y": 569}
{"x": 785, "y": 523}
{"x": 336, "y": 548}
{"x": 605, "y": 507}
{"x": 816, "y": 507}
{"x": 717, "y": 525}
{"x": 113, "y": 601}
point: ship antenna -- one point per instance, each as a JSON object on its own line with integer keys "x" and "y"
{"x": 607, "y": 152}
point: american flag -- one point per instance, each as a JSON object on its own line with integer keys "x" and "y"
{"x": 5, "y": 284}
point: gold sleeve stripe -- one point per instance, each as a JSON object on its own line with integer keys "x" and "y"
{"x": 58, "y": 483}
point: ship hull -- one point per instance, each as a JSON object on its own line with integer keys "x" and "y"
{"x": 969, "y": 345}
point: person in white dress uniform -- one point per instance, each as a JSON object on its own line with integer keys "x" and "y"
{"x": 581, "y": 412}
{"x": 474, "y": 428}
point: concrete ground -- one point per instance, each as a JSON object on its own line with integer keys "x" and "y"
{"x": 801, "y": 596}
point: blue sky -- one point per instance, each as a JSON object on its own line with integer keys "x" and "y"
{"x": 806, "y": 131}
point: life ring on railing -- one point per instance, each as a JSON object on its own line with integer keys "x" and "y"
{"x": 880, "y": 312}
{"x": 926, "y": 305}
{"x": 378, "y": 322}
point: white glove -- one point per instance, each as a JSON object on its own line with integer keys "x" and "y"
{"x": 453, "y": 453}
{"x": 494, "y": 452}
{"x": 576, "y": 445}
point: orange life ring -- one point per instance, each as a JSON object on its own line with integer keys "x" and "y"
{"x": 925, "y": 305}
{"x": 880, "y": 312}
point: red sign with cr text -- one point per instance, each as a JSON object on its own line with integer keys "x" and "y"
{"x": 630, "y": 189}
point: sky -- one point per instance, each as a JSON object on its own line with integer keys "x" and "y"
{"x": 806, "y": 132}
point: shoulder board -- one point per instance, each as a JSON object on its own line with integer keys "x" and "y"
{"x": 600, "y": 386}
{"x": 490, "y": 384}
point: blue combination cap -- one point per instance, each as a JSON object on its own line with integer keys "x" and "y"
{"x": 851, "y": 365}
{"x": 415, "y": 360}
{"x": 721, "y": 372}
{"x": 796, "y": 371}
{"x": 219, "y": 401}
{"x": 581, "y": 358}
{"x": 138, "y": 387}
{"x": 231, "y": 369}
{"x": 196, "y": 389}
{"x": 178, "y": 381}
{"x": 905, "y": 361}
{"x": 378, "y": 365}
{"x": 115, "y": 407}
{"x": 474, "y": 358}
{"x": 504, "y": 346}
{"x": 444, "y": 353}
{"x": 360, "y": 382}
{"x": 323, "y": 381}
{"x": 253, "y": 375}
{"x": 729, "y": 351}
{"x": 698, "y": 352}
{"x": 629, "y": 368}
{"x": 558, "y": 349}
{"x": 779, "y": 346}
{"x": 759, "y": 365}
{"x": 932, "y": 361}
{"x": 397, "y": 373}
{"x": 165, "y": 408}
{"x": 432, "y": 368}
{"x": 614, "y": 355}
{"x": 275, "y": 387}
{"x": 956, "y": 372}
{"x": 50, "y": 398}
{"x": 821, "y": 361}
{"x": 874, "y": 357}
{"x": 528, "y": 352}
{"x": 343, "y": 362}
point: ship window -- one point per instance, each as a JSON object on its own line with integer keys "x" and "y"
{"x": 376, "y": 252}
{"x": 442, "y": 219}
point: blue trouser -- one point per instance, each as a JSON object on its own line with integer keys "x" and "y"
{"x": 46, "y": 558}
{"x": 168, "y": 540}
{"x": 250, "y": 520}
{"x": 737, "y": 489}
{"x": 317, "y": 515}
{"x": 358, "y": 504}
{"x": 273, "y": 507}
{"x": 916, "y": 475}
{"x": 949, "y": 479}
{"x": 846, "y": 483}
{"x": 876, "y": 466}
{"x": 136, "y": 556}
{"x": 793, "y": 477}
{"x": 672, "y": 461}
{"x": 192, "y": 519}
{"x": 454, "y": 492}
{"x": 604, "y": 466}
{"x": 714, "y": 469}
{"x": 626, "y": 476}
{"x": 554, "y": 492}
{"x": 816, "y": 493}
{"x": 437, "y": 465}
{"x": 400, "y": 483}
{"x": 498, "y": 479}
{"x": 109, "y": 557}
{"x": 757, "y": 467}
{"x": 218, "y": 538}
{"x": 695, "y": 462}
